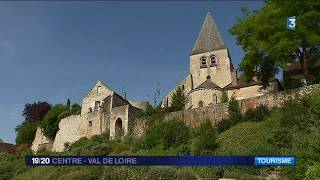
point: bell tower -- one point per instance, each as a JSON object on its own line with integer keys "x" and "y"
{"x": 209, "y": 58}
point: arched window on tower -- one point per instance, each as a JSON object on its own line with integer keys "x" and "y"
{"x": 203, "y": 62}
{"x": 200, "y": 104}
{"x": 213, "y": 61}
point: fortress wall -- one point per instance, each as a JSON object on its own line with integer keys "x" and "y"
{"x": 68, "y": 132}
{"x": 193, "y": 117}
{"x": 40, "y": 141}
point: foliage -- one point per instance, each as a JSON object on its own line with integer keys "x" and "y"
{"x": 178, "y": 100}
{"x": 290, "y": 83}
{"x": 169, "y": 134}
{"x": 68, "y": 104}
{"x": 258, "y": 114}
{"x": 35, "y": 111}
{"x": 205, "y": 141}
{"x": 224, "y": 97}
{"x": 313, "y": 172}
{"x": 315, "y": 104}
{"x": 97, "y": 145}
{"x": 268, "y": 45}
{"x": 234, "y": 111}
{"x": 51, "y": 120}
{"x": 26, "y": 133}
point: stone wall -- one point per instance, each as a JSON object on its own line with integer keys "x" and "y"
{"x": 41, "y": 142}
{"x": 68, "y": 132}
{"x": 194, "y": 117}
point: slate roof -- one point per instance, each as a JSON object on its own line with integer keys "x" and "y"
{"x": 208, "y": 84}
{"x": 209, "y": 38}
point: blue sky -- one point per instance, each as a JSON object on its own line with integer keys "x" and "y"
{"x": 52, "y": 51}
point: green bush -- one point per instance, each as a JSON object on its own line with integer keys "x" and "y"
{"x": 315, "y": 104}
{"x": 258, "y": 114}
{"x": 97, "y": 145}
{"x": 296, "y": 116}
{"x": 233, "y": 118}
{"x": 313, "y": 172}
{"x": 51, "y": 120}
{"x": 27, "y": 132}
{"x": 205, "y": 141}
{"x": 170, "y": 134}
{"x": 224, "y": 97}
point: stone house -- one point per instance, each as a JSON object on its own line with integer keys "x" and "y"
{"x": 103, "y": 112}
{"x": 212, "y": 73}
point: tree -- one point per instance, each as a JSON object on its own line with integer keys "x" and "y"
{"x": 68, "y": 103}
{"x": 35, "y": 111}
{"x": 224, "y": 97}
{"x": 268, "y": 45}
{"x": 51, "y": 120}
{"x": 178, "y": 100}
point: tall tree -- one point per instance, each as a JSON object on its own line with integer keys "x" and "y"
{"x": 269, "y": 45}
{"x": 35, "y": 111}
{"x": 178, "y": 100}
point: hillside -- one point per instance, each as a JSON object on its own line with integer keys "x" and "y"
{"x": 290, "y": 130}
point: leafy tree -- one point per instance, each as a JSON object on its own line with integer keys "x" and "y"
{"x": 51, "y": 120}
{"x": 234, "y": 111}
{"x": 35, "y": 111}
{"x": 224, "y": 97}
{"x": 26, "y": 132}
{"x": 178, "y": 100}
{"x": 267, "y": 43}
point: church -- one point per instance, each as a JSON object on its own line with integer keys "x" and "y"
{"x": 212, "y": 73}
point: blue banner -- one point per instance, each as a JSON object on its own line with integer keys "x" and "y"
{"x": 160, "y": 160}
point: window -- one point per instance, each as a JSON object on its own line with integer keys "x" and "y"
{"x": 90, "y": 109}
{"x": 96, "y": 105}
{"x": 203, "y": 62}
{"x": 213, "y": 61}
{"x": 200, "y": 104}
{"x": 182, "y": 87}
{"x": 215, "y": 99}
{"x": 98, "y": 89}
{"x": 208, "y": 77}
{"x": 90, "y": 123}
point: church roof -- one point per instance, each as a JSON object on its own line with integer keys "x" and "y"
{"x": 208, "y": 84}
{"x": 209, "y": 38}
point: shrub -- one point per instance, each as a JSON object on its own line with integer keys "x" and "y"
{"x": 224, "y": 97}
{"x": 234, "y": 111}
{"x": 97, "y": 145}
{"x": 223, "y": 125}
{"x": 169, "y": 133}
{"x": 205, "y": 141}
{"x": 258, "y": 114}
{"x": 297, "y": 116}
{"x": 315, "y": 104}
{"x": 313, "y": 172}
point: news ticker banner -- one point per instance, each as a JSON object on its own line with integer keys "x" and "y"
{"x": 160, "y": 160}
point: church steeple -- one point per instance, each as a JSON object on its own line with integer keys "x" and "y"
{"x": 209, "y": 38}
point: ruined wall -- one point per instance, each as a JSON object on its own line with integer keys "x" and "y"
{"x": 41, "y": 142}
{"x": 68, "y": 132}
{"x": 121, "y": 113}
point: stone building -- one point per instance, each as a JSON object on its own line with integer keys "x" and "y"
{"x": 103, "y": 112}
{"x": 212, "y": 73}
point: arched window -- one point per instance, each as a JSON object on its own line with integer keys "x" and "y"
{"x": 203, "y": 62}
{"x": 200, "y": 104}
{"x": 208, "y": 77}
{"x": 118, "y": 128}
{"x": 213, "y": 60}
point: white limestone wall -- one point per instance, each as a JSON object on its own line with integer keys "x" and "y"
{"x": 68, "y": 132}
{"x": 39, "y": 139}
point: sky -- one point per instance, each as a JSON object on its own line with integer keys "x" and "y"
{"x": 52, "y": 51}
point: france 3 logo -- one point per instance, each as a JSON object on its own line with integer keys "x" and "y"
{"x": 291, "y": 23}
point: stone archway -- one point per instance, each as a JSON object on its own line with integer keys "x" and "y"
{"x": 118, "y": 128}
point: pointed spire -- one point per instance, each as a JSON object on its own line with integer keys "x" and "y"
{"x": 209, "y": 38}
